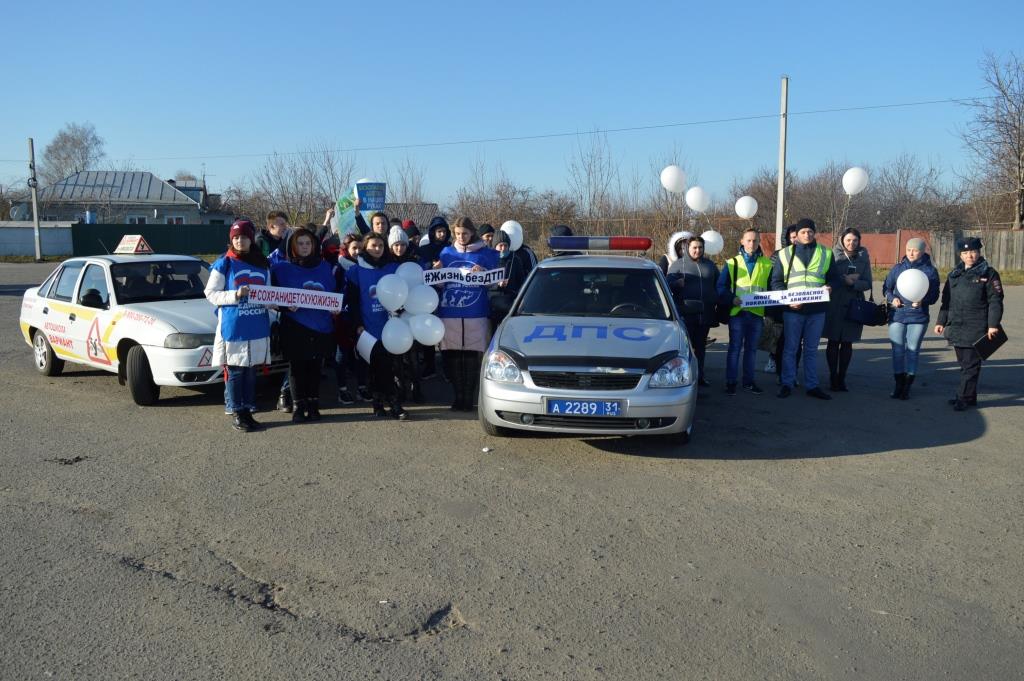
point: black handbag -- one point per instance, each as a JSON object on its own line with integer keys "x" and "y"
{"x": 868, "y": 312}
{"x": 723, "y": 311}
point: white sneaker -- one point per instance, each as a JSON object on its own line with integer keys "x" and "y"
{"x": 769, "y": 367}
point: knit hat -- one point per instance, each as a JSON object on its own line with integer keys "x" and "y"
{"x": 917, "y": 244}
{"x": 397, "y": 234}
{"x": 410, "y": 229}
{"x": 240, "y": 227}
{"x": 501, "y": 237}
{"x": 486, "y": 228}
{"x": 806, "y": 223}
{"x": 968, "y": 243}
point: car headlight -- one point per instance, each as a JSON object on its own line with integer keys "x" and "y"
{"x": 188, "y": 341}
{"x": 674, "y": 373}
{"x": 502, "y": 369}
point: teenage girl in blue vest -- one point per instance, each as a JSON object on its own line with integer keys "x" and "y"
{"x": 370, "y": 316}
{"x": 465, "y": 312}
{"x": 306, "y": 334}
{"x": 243, "y": 329}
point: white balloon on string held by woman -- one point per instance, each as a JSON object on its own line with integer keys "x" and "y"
{"x": 411, "y": 273}
{"x": 912, "y": 284}
{"x": 673, "y": 179}
{"x": 392, "y": 291}
{"x": 713, "y": 242}
{"x": 422, "y": 299}
{"x": 855, "y": 180}
{"x": 396, "y": 336}
{"x": 697, "y": 199}
{"x": 515, "y": 234}
{"x": 426, "y": 329}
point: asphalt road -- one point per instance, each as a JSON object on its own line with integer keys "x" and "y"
{"x": 860, "y": 538}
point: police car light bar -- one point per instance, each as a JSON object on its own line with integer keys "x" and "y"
{"x": 599, "y": 243}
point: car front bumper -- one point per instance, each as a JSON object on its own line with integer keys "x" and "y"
{"x": 177, "y": 367}
{"x": 647, "y": 411}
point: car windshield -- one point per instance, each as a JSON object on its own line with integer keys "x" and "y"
{"x": 150, "y": 281}
{"x": 609, "y": 292}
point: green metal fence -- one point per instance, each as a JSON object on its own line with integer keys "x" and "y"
{"x": 179, "y": 239}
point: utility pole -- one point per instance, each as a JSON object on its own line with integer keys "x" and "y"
{"x": 32, "y": 184}
{"x": 781, "y": 197}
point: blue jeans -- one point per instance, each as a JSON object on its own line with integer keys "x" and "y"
{"x": 240, "y": 390}
{"x": 906, "y": 346}
{"x": 744, "y": 333}
{"x": 805, "y": 329}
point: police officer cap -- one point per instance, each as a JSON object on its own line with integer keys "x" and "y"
{"x": 968, "y": 243}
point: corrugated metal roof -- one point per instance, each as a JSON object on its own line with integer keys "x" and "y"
{"x": 114, "y": 187}
{"x": 420, "y": 213}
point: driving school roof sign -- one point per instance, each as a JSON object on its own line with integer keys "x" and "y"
{"x": 133, "y": 244}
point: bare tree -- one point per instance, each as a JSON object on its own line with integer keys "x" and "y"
{"x": 995, "y": 136}
{"x": 405, "y": 182}
{"x": 593, "y": 174}
{"x": 76, "y": 148}
{"x": 185, "y": 176}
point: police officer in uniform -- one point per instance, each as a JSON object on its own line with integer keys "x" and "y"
{"x": 972, "y": 307}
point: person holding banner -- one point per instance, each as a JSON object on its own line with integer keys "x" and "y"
{"x": 369, "y": 316}
{"x": 853, "y": 267}
{"x": 805, "y": 264}
{"x": 971, "y": 310}
{"x": 242, "y": 340}
{"x": 464, "y": 309}
{"x": 379, "y": 223}
{"x": 908, "y": 319}
{"x": 306, "y": 334}
{"x": 747, "y": 272}
{"x": 440, "y": 238}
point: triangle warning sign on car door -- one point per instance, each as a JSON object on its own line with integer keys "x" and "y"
{"x": 93, "y": 345}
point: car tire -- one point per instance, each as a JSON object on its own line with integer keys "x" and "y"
{"x": 47, "y": 363}
{"x": 491, "y": 429}
{"x": 140, "y": 378}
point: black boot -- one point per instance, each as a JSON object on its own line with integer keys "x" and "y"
{"x": 833, "y": 382}
{"x": 471, "y": 369}
{"x": 300, "y": 413}
{"x": 253, "y": 423}
{"x": 898, "y": 389}
{"x": 841, "y": 383}
{"x": 452, "y": 365}
{"x": 378, "y": 406}
{"x": 907, "y": 382}
{"x": 397, "y": 412}
{"x": 313, "y": 408}
{"x": 238, "y": 422}
{"x": 284, "y": 402}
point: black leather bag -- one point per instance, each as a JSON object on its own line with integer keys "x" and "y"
{"x": 868, "y": 312}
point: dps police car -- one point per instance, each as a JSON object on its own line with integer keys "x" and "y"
{"x": 144, "y": 317}
{"x": 593, "y": 344}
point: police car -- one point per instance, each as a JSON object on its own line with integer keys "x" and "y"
{"x": 593, "y": 344}
{"x": 142, "y": 316}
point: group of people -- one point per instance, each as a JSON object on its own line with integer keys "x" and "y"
{"x": 971, "y": 308}
{"x": 313, "y": 257}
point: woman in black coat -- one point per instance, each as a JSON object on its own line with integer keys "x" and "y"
{"x": 694, "y": 277}
{"x": 972, "y": 307}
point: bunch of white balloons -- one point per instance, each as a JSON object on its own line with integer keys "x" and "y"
{"x": 405, "y": 290}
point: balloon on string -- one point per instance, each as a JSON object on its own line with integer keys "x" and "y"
{"x": 746, "y": 207}
{"x": 515, "y": 234}
{"x": 426, "y": 329}
{"x": 411, "y": 273}
{"x": 396, "y": 336}
{"x": 673, "y": 179}
{"x": 713, "y": 242}
{"x": 855, "y": 180}
{"x": 912, "y": 285}
{"x": 697, "y": 199}
{"x": 392, "y": 292}
{"x": 422, "y": 299}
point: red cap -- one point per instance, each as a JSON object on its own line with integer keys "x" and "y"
{"x": 242, "y": 227}
{"x": 406, "y": 224}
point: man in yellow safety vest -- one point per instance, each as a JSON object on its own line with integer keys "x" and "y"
{"x": 804, "y": 264}
{"x": 744, "y": 274}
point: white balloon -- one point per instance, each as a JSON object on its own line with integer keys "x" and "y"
{"x": 746, "y": 207}
{"x": 422, "y": 299}
{"x": 411, "y": 273}
{"x": 855, "y": 180}
{"x": 697, "y": 199}
{"x": 713, "y": 242}
{"x": 515, "y": 233}
{"x": 426, "y": 329}
{"x": 673, "y": 178}
{"x": 912, "y": 285}
{"x": 396, "y": 336}
{"x": 355, "y": 193}
{"x": 392, "y": 292}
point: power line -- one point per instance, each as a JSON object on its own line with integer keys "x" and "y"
{"x": 553, "y": 135}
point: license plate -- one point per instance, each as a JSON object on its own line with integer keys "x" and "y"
{"x": 585, "y": 407}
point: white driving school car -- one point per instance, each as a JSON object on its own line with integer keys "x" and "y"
{"x": 143, "y": 317}
{"x": 593, "y": 344}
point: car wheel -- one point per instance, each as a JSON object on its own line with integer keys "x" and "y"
{"x": 47, "y": 363}
{"x": 140, "y": 378}
{"x": 490, "y": 428}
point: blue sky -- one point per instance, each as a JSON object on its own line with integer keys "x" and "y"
{"x": 197, "y": 80}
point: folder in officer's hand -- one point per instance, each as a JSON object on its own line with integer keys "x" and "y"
{"x": 986, "y": 347}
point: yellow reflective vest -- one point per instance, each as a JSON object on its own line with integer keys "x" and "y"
{"x": 811, "y": 276}
{"x": 743, "y": 282}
